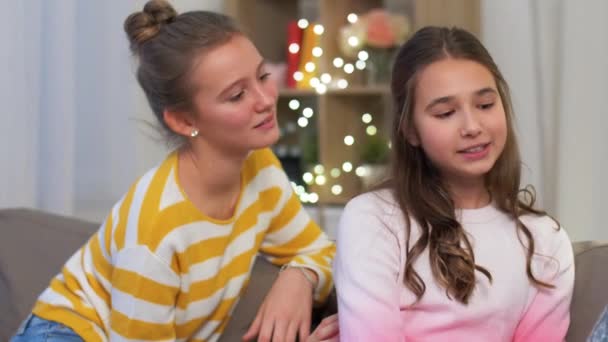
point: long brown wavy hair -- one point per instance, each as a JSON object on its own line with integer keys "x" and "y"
{"x": 416, "y": 182}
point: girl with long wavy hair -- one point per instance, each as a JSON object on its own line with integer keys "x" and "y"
{"x": 451, "y": 247}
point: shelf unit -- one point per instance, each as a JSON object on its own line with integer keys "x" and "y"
{"x": 337, "y": 112}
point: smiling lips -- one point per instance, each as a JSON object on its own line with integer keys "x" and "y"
{"x": 475, "y": 152}
{"x": 267, "y": 123}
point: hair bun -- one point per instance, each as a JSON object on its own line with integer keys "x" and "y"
{"x": 144, "y": 25}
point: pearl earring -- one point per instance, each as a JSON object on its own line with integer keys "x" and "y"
{"x": 194, "y": 132}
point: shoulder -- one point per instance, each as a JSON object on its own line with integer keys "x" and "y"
{"x": 263, "y": 166}
{"x": 550, "y": 239}
{"x": 372, "y": 212}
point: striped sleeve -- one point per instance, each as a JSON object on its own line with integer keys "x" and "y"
{"x": 294, "y": 238}
{"x": 144, "y": 291}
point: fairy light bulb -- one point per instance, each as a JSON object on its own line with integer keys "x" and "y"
{"x": 360, "y": 65}
{"x": 308, "y": 112}
{"x": 338, "y": 62}
{"x": 310, "y": 67}
{"x": 335, "y": 172}
{"x": 347, "y": 167}
{"x": 349, "y": 140}
{"x": 318, "y": 29}
{"x": 363, "y": 55}
{"x": 371, "y": 130}
{"x": 336, "y": 189}
{"x": 298, "y": 76}
{"x": 317, "y": 51}
{"x": 302, "y": 122}
{"x": 294, "y": 104}
{"x": 302, "y": 23}
{"x": 366, "y": 118}
{"x": 352, "y": 18}
{"x": 349, "y": 68}
{"x": 294, "y": 48}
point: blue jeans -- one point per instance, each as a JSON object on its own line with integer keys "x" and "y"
{"x": 600, "y": 331}
{"x": 37, "y": 329}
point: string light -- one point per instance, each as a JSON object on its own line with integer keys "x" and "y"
{"x": 360, "y": 65}
{"x": 321, "y": 89}
{"x": 338, "y": 62}
{"x": 342, "y": 84}
{"x": 318, "y": 29}
{"x": 353, "y": 41}
{"x": 352, "y": 18}
{"x": 349, "y": 140}
{"x": 313, "y": 198}
{"x": 310, "y": 67}
{"x": 361, "y": 171}
{"x": 336, "y": 189}
{"x": 294, "y": 104}
{"x": 314, "y": 82}
{"x": 302, "y": 23}
{"x": 366, "y": 118}
{"x": 349, "y": 68}
{"x": 294, "y": 48}
{"x": 371, "y": 130}
{"x": 325, "y": 78}
{"x": 347, "y": 167}
{"x": 307, "y": 177}
{"x": 320, "y": 180}
{"x": 298, "y": 76}
{"x": 302, "y": 122}
{"x": 319, "y": 169}
{"x": 307, "y": 112}
{"x": 317, "y": 51}
{"x": 363, "y": 55}
{"x": 335, "y": 172}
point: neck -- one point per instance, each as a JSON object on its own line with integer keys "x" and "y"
{"x": 469, "y": 194}
{"x": 209, "y": 173}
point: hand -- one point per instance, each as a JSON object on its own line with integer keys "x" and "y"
{"x": 327, "y": 331}
{"x": 286, "y": 310}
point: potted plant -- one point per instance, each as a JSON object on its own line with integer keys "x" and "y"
{"x": 374, "y": 158}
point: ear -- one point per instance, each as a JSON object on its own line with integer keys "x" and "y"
{"x": 181, "y": 123}
{"x": 411, "y": 136}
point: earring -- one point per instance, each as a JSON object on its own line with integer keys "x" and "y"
{"x": 194, "y": 132}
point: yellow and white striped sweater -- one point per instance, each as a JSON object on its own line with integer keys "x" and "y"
{"x": 159, "y": 269}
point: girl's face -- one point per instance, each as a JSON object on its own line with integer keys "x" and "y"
{"x": 458, "y": 120}
{"x": 235, "y": 99}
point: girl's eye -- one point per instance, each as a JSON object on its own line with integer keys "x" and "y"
{"x": 237, "y": 97}
{"x": 486, "y": 105}
{"x": 265, "y": 76}
{"x": 445, "y": 115}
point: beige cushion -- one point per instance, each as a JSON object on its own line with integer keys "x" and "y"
{"x": 590, "y": 288}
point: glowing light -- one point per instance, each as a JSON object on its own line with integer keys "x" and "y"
{"x": 361, "y": 171}
{"x": 321, "y": 89}
{"x": 335, "y": 172}
{"x": 319, "y": 169}
{"x": 302, "y": 23}
{"x": 347, "y": 167}
{"x": 363, "y": 55}
{"x": 314, "y": 82}
{"x": 310, "y": 67}
{"x": 360, "y": 65}
{"x": 294, "y": 48}
{"x": 336, "y": 189}
{"x": 307, "y": 177}
{"x": 352, "y": 18}
{"x": 349, "y": 140}
{"x": 349, "y": 68}
{"x": 302, "y": 122}
{"x": 326, "y": 78}
{"x": 317, "y": 51}
{"x": 298, "y": 76}
{"x": 366, "y": 118}
{"x": 313, "y": 197}
{"x": 318, "y": 29}
{"x": 342, "y": 84}
{"x": 294, "y": 104}
{"x": 371, "y": 130}
{"x": 338, "y": 62}
{"x": 320, "y": 180}
{"x": 353, "y": 41}
{"x": 307, "y": 112}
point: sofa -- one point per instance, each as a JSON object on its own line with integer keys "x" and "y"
{"x": 34, "y": 245}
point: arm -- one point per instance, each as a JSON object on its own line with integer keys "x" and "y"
{"x": 294, "y": 238}
{"x": 548, "y": 316}
{"x": 144, "y": 290}
{"x": 366, "y": 271}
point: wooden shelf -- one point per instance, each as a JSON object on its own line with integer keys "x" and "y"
{"x": 376, "y": 90}
{"x": 338, "y": 112}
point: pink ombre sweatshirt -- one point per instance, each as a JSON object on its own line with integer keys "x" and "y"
{"x": 374, "y": 304}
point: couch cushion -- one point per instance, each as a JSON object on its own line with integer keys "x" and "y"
{"x": 590, "y": 288}
{"x": 33, "y": 248}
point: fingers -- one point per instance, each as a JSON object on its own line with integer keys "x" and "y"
{"x": 304, "y": 330}
{"x": 266, "y": 331}
{"x": 254, "y": 329}
{"x": 292, "y": 331}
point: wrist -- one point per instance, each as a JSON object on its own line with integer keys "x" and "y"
{"x": 309, "y": 276}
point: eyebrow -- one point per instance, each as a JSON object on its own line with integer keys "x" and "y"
{"x": 446, "y": 99}
{"x": 262, "y": 62}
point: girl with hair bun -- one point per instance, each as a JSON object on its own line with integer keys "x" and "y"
{"x": 175, "y": 253}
